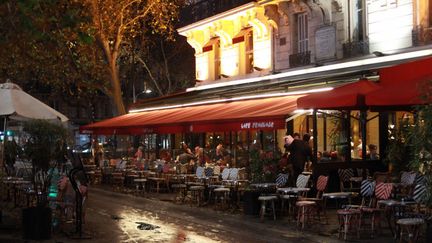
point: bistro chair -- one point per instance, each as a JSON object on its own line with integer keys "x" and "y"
{"x": 281, "y": 179}
{"x": 290, "y": 194}
{"x": 216, "y": 170}
{"x": 382, "y": 194}
{"x": 222, "y": 196}
{"x": 270, "y": 199}
{"x": 407, "y": 179}
{"x": 308, "y": 206}
{"x": 233, "y": 175}
{"x": 344, "y": 179}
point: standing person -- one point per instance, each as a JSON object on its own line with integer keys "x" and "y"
{"x": 299, "y": 154}
{"x": 306, "y": 140}
{"x": 98, "y": 154}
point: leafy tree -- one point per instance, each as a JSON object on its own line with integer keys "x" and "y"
{"x": 82, "y": 47}
{"x": 116, "y": 22}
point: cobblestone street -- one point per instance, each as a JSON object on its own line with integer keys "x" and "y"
{"x": 115, "y": 217}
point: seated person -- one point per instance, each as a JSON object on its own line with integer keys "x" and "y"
{"x": 373, "y": 152}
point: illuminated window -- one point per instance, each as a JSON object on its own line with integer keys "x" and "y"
{"x": 302, "y": 33}
{"x": 246, "y": 36}
{"x": 214, "y": 45}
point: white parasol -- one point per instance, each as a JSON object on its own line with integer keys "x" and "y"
{"x": 16, "y": 104}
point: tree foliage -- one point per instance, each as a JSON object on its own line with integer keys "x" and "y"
{"x": 84, "y": 46}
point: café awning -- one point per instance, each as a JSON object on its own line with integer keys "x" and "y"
{"x": 347, "y": 97}
{"x": 262, "y": 114}
{"x": 403, "y": 85}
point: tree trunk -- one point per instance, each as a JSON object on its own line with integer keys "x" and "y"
{"x": 116, "y": 89}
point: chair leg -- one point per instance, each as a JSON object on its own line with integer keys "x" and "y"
{"x": 274, "y": 212}
{"x": 262, "y": 211}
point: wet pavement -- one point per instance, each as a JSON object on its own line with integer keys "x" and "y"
{"x": 120, "y": 217}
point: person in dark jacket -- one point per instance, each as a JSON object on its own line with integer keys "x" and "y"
{"x": 300, "y": 152}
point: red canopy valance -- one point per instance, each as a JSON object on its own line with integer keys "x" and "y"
{"x": 349, "y": 96}
{"x": 403, "y": 85}
{"x": 263, "y": 114}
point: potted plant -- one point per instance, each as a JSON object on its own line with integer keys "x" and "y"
{"x": 420, "y": 140}
{"x": 263, "y": 168}
{"x": 45, "y": 143}
{"x": 398, "y": 150}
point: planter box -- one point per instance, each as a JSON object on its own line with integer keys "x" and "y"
{"x": 251, "y": 205}
{"x": 37, "y": 223}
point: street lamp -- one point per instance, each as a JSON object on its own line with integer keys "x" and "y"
{"x": 145, "y": 91}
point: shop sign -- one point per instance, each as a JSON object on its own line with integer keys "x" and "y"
{"x": 257, "y": 125}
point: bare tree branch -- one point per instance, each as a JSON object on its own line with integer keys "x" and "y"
{"x": 150, "y": 74}
{"x": 167, "y": 73}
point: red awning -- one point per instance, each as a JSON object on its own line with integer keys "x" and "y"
{"x": 403, "y": 85}
{"x": 349, "y": 96}
{"x": 263, "y": 114}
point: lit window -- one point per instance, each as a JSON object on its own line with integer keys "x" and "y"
{"x": 302, "y": 33}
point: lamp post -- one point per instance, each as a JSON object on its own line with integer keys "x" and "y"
{"x": 145, "y": 91}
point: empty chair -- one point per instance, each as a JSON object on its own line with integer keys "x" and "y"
{"x": 233, "y": 175}
{"x": 382, "y": 195}
{"x": 225, "y": 174}
{"x": 281, "y": 179}
{"x": 344, "y": 178}
{"x": 199, "y": 172}
{"x": 308, "y": 206}
{"x": 208, "y": 172}
{"x": 216, "y": 170}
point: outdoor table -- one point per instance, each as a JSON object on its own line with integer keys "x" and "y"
{"x": 395, "y": 209}
{"x": 14, "y": 181}
{"x": 157, "y": 180}
{"x": 263, "y": 185}
{"x": 337, "y": 196}
{"x": 140, "y": 183}
{"x": 294, "y": 191}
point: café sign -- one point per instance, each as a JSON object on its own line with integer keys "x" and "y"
{"x": 257, "y": 125}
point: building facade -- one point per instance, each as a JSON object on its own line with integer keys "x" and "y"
{"x": 258, "y": 38}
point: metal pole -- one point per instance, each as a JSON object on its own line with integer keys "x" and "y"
{"x": 3, "y": 143}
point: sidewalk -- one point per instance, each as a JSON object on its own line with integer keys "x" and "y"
{"x": 113, "y": 217}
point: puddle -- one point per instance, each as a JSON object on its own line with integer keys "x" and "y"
{"x": 146, "y": 226}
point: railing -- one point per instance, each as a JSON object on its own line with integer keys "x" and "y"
{"x": 207, "y": 8}
{"x": 300, "y": 59}
{"x": 421, "y": 36}
{"x": 355, "y": 48}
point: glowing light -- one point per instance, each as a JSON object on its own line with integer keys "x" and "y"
{"x": 202, "y": 66}
{"x": 299, "y": 92}
{"x": 357, "y": 63}
{"x": 262, "y": 53}
{"x": 229, "y": 61}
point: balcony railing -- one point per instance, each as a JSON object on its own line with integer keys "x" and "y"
{"x": 207, "y": 8}
{"x": 421, "y": 36}
{"x": 355, "y": 48}
{"x": 300, "y": 59}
